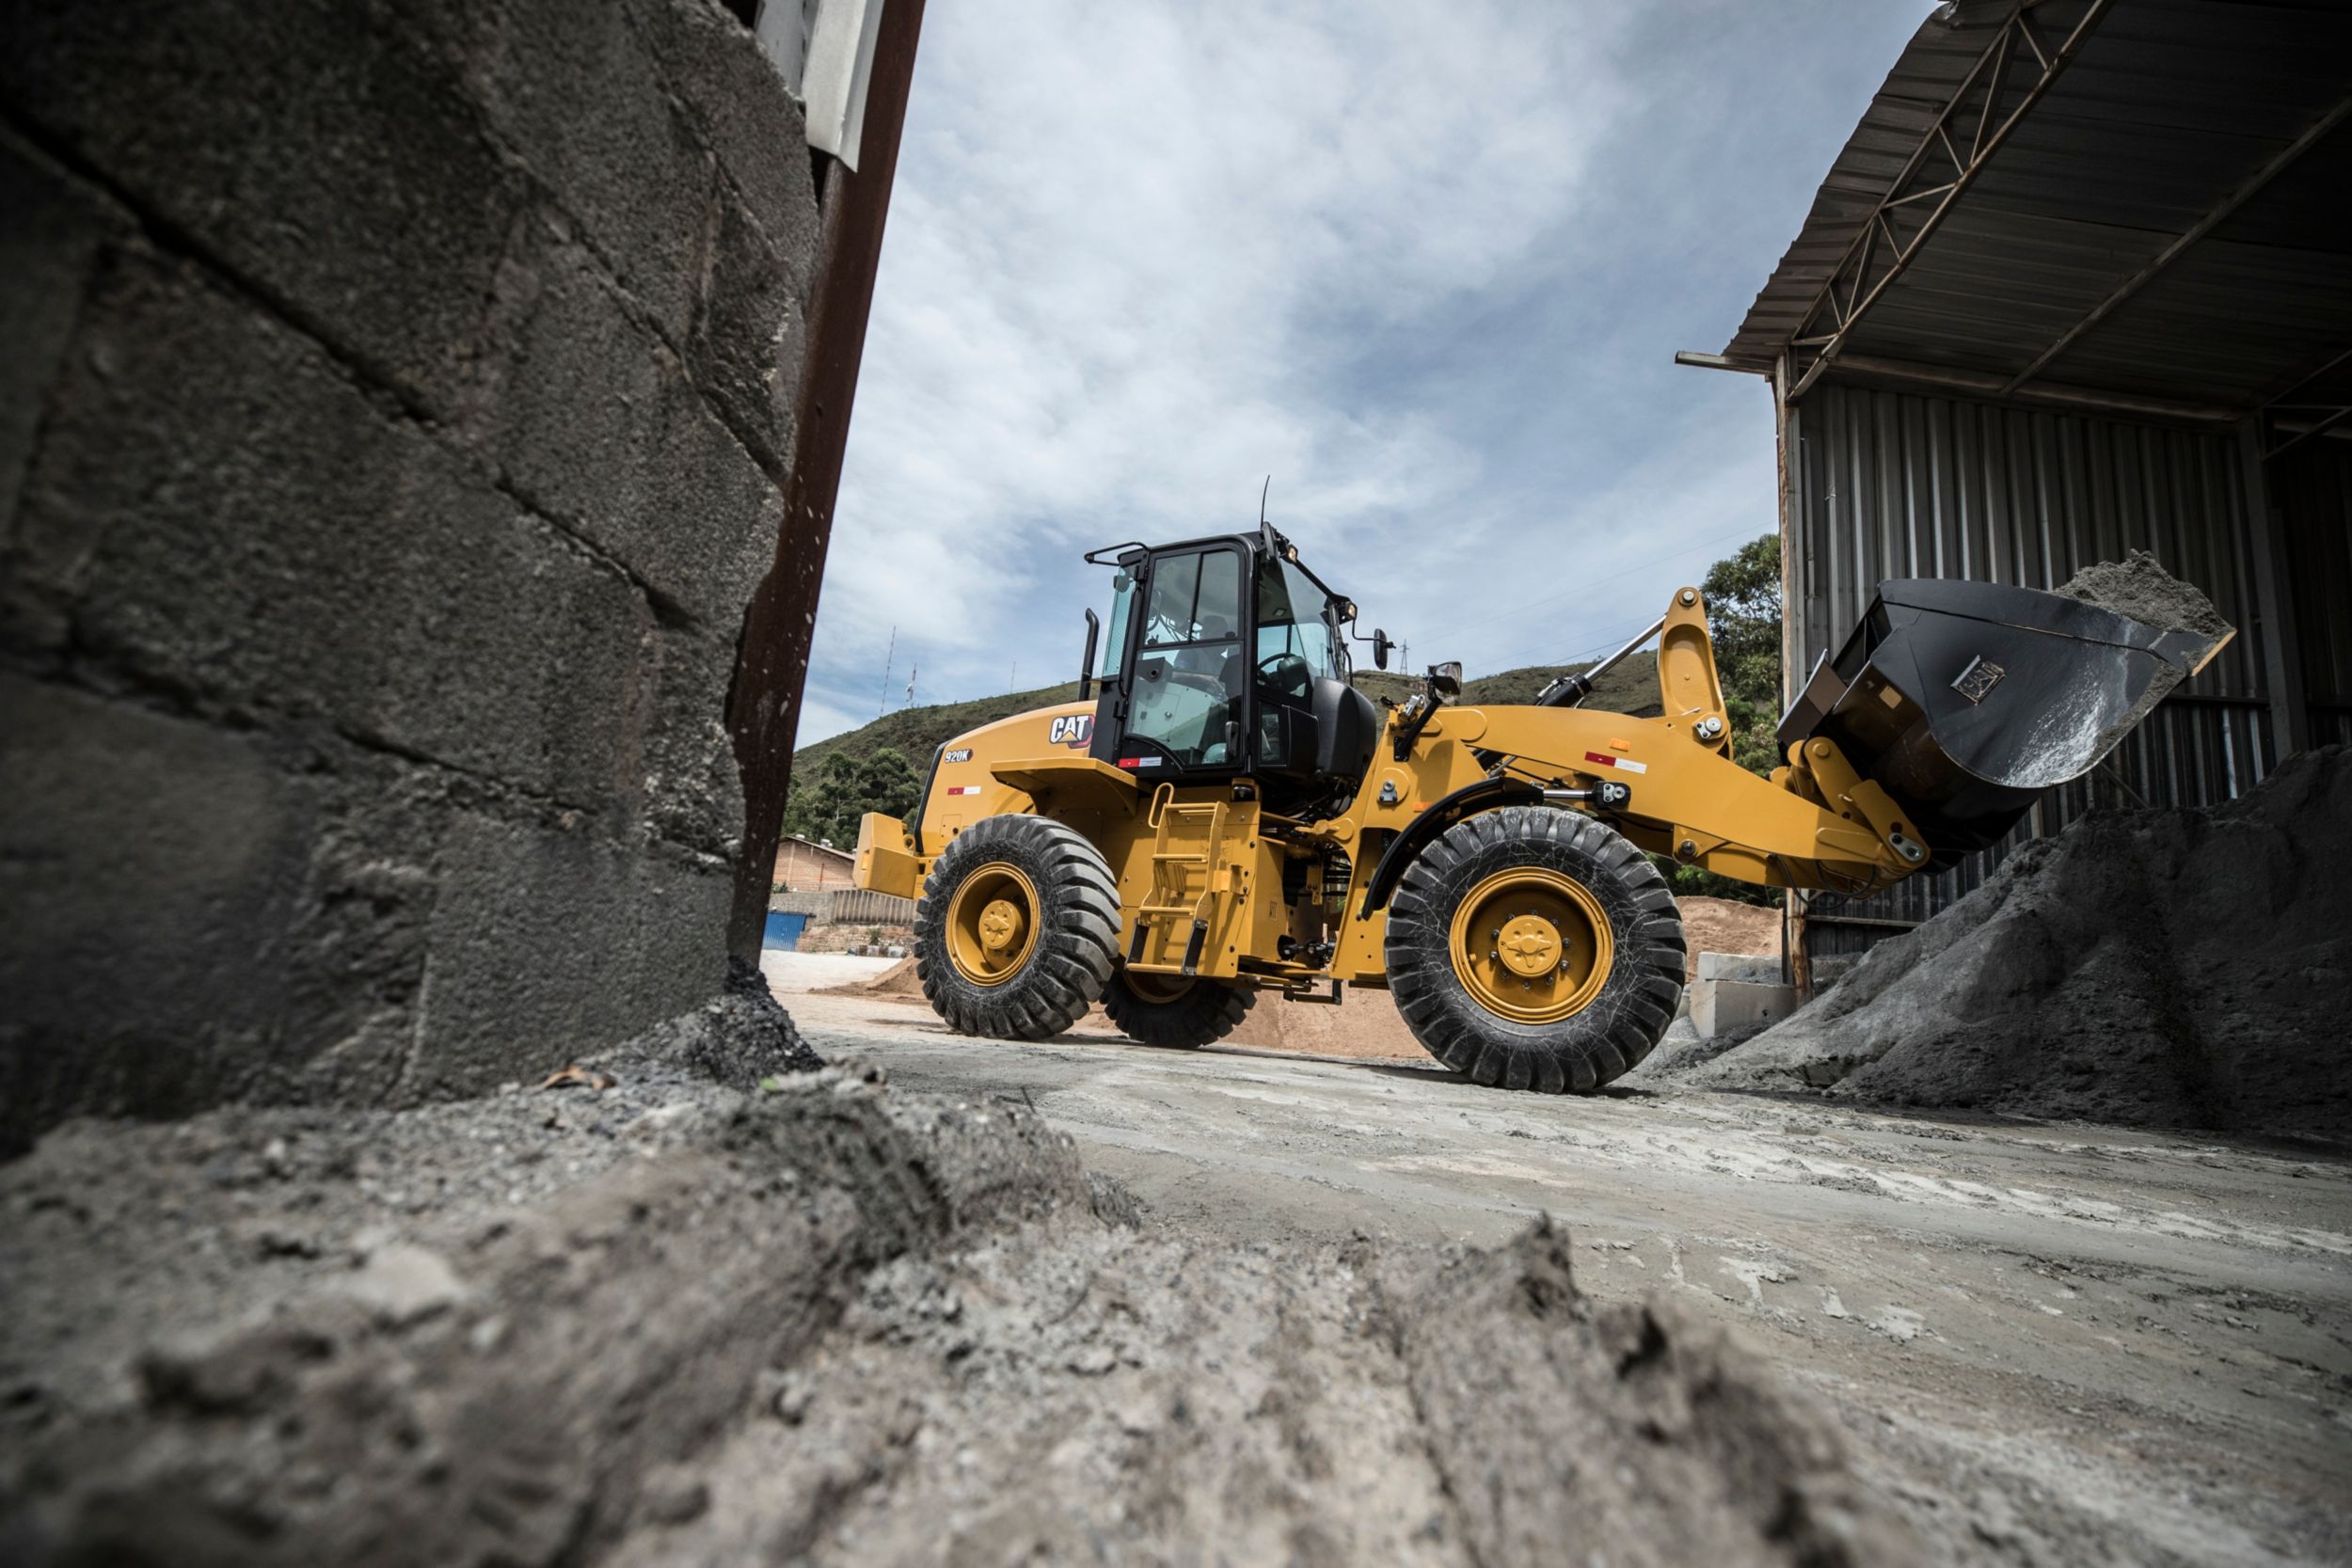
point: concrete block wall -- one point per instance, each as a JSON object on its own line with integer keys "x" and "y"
{"x": 392, "y": 428}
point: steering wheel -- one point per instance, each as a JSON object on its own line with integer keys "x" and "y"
{"x": 1286, "y": 674}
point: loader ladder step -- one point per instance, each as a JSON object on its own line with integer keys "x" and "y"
{"x": 1171, "y": 872}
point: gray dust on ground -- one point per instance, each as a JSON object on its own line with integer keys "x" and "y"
{"x": 640, "y": 1316}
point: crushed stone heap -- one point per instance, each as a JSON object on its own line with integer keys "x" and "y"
{"x": 2152, "y": 968}
{"x": 2139, "y": 588}
{"x": 823, "y": 1322}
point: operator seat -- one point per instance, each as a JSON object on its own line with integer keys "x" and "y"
{"x": 1222, "y": 666}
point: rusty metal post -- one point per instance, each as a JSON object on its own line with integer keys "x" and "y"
{"x": 772, "y": 658}
{"x": 1796, "y": 966}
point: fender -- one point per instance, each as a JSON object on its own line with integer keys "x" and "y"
{"x": 1442, "y": 812}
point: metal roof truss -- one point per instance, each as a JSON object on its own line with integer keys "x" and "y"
{"x": 1967, "y": 132}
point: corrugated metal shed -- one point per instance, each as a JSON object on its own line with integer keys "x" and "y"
{"x": 1891, "y": 484}
{"x": 2081, "y": 281}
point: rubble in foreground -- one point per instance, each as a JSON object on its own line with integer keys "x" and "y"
{"x": 830, "y": 1322}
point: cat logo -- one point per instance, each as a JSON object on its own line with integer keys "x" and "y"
{"x": 1073, "y": 729}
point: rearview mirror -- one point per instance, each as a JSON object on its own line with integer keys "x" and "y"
{"x": 1446, "y": 679}
{"x": 1380, "y": 647}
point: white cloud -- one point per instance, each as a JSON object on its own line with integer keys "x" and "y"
{"x": 1143, "y": 254}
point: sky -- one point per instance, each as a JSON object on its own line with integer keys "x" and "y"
{"x": 1425, "y": 267}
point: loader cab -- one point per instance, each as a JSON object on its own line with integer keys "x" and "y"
{"x": 1225, "y": 658}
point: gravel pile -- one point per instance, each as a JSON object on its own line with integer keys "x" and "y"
{"x": 2154, "y": 968}
{"x": 2140, "y": 588}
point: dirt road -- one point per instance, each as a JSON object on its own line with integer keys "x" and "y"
{"x": 2067, "y": 1343}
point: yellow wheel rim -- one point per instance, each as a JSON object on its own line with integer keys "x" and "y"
{"x": 1532, "y": 946}
{"x": 1157, "y": 987}
{"x": 991, "y": 924}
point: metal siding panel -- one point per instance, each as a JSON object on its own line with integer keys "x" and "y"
{"x": 1901, "y": 484}
{"x": 2313, "y": 489}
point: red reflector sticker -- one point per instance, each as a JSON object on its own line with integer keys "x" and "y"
{"x": 1601, "y": 757}
{"x": 1130, "y": 761}
{"x": 1623, "y": 764}
{"x": 963, "y": 790}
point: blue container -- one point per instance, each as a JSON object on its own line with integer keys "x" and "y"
{"x": 784, "y": 931}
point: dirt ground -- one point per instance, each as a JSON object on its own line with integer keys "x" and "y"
{"x": 700, "y": 1300}
{"x": 2049, "y": 1342}
{"x": 1725, "y": 926}
{"x": 1366, "y": 1028}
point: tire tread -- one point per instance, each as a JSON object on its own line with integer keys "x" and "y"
{"x": 1075, "y": 945}
{"x": 1610, "y": 1036}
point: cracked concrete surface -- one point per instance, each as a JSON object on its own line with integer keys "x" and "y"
{"x": 2050, "y": 1342}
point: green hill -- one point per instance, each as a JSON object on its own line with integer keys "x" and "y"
{"x": 917, "y": 731}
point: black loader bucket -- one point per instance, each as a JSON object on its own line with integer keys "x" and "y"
{"x": 1964, "y": 701}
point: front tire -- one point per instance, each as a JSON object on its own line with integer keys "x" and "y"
{"x": 1017, "y": 929}
{"x": 1533, "y": 948}
{"x": 1173, "y": 1009}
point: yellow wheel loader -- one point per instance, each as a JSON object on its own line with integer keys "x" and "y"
{"x": 1223, "y": 813}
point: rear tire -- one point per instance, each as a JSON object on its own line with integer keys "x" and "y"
{"x": 1533, "y": 948}
{"x": 1171, "y": 1010}
{"x": 1017, "y": 929}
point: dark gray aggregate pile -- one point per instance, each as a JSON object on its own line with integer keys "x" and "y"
{"x": 822, "y": 1321}
{"x": 2138, "y": 586}
{"x": 2155, "y": 968}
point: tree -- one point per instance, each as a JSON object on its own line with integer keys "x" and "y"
{"x": 1743, "y": 617}
{"x": 846, "y": 789}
